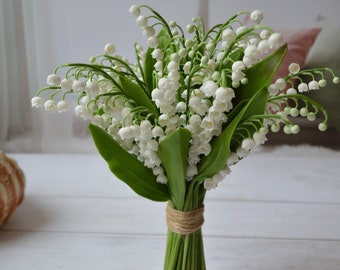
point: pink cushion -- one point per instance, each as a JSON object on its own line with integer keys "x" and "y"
{"x": 299, "y": 43}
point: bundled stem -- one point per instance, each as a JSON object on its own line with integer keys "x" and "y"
{"x": 184, "y": 248}
{"x": 184, "y": 252}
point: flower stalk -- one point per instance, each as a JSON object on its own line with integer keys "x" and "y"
{"x": 193, "y": 104}
{"x": 184, "y": 251}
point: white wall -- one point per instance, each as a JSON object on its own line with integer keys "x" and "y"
{"x": 80, "y": 28}
{"x": 66, "y": 31}
{"x": 289, "y": 14}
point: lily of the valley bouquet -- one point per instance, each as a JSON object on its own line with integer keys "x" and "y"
{"x": 193, "y": 104}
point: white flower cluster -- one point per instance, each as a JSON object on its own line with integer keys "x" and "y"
{"x": 194, "y": 81}
{"x": 203, "y": 105}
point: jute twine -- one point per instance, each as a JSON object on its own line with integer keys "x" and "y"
{"x": 184, "y": 222}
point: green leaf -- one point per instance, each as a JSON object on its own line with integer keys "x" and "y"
{"x": 256, "y": 106}
{"x": 234, "y": 56}
{"x": 261, "y": 74}
{"x": 220, "y": 148}
{"x": 163, "y": 38}
{"x": 173, "y": 151}
{"x": 149, "y": 64}
{"x": 235, "y": 112}
{"x": 134, "y": 92}
{"x": 127, "y": 167}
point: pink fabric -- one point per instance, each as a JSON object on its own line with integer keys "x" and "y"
{"x": 299, "y": 44}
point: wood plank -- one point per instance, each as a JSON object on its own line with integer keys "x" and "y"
{"x": 301, "y": 174}
{"x": 223, "y": 218}
{"x": 70, "y": 175}
{"x": 31, "y": 250}
{"x": 77, "y": 217}
{"x": 264, "y": 175}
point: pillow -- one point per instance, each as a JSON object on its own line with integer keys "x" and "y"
{"x": 325, "y": 53}
{"x": 299, "y": 44}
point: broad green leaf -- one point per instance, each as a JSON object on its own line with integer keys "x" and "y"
{"x": 220, "y": 148}
{"x": 127, "y": 167}
{"x": 163, "y": 38}
{"x": 255, "y": 107}
{"x": 148, "y": 70}
{"x": 134, "y": 92}
{"x": 173, "y": 151}
{"x": 149, "y": 63}
{"x": 235, "y": 112}
{"x": 261, "y": 74}
{"x": 233, "y": 57}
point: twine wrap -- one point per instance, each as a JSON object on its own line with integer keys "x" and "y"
{"x": 184, "y": 223}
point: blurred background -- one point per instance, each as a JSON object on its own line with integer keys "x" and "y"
{"x": 38, "y": 35}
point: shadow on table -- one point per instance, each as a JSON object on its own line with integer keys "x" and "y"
{"x": 32, "y": 214}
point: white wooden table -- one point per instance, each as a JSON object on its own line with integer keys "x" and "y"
{"x": 275, "y": 211}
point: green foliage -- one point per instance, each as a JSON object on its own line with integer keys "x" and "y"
{"x": 127, "y": 167}
{"x": 220, "y": 148}
{"x": 148, "y": 70}
{"x": 261, "y": 74}
{"x": 252, "y": 99}
{"x": 134, "y": 92}
{"x": 173, "y": 151}
{"x": 163, "y": 38}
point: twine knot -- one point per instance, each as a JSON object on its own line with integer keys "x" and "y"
{"x": 186, "y": 222}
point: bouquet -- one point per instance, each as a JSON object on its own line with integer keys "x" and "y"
{"x": 194, "y": 103}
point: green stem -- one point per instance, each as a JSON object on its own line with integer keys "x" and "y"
{"x": 317, "y": 106}
{"x": 184, "y": 252}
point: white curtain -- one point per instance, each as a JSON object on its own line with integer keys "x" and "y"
{"x": 15, "y": 116}
{"x": 27, "y": 56}
{"x": 36, "y": 36}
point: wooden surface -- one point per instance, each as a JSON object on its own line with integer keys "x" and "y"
{"x": 279, "y": 209}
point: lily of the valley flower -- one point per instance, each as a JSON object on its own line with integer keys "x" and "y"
{"x": 187, "y": 78}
